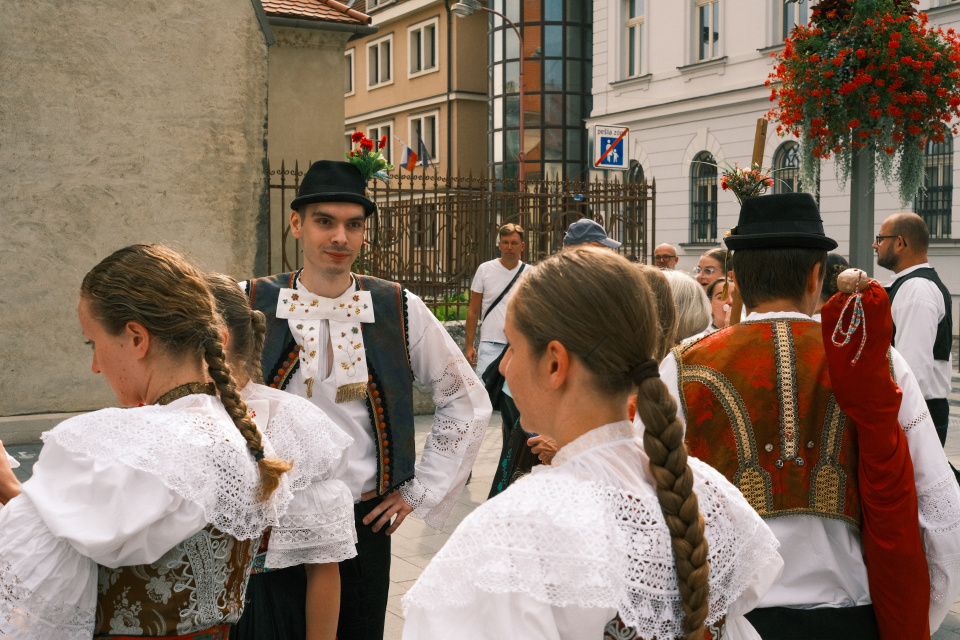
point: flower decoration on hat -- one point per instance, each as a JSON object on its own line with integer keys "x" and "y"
{"x": 368, "y": 157}
{"x": 745, "y": 183}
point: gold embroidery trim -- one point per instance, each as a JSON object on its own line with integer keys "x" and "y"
{"x": 786, "y": 390}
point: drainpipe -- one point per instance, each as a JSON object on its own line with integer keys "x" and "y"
{"x": 446, "y": 5}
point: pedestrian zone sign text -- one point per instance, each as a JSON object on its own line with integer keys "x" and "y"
{"x": 611, "y": 147}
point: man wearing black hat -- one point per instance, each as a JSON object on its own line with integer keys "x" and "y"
{"x": 353, "y": 344}
{"x": 758, "y": 406}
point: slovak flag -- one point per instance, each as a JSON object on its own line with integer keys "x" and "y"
{"x": 409, "y": 158}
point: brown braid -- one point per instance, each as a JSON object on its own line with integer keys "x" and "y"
{"x": 610, "y": 324}
{"x": 663, "y": 442}
{"x": 157, "y": 288}
{"x": 270, "y": 468}
{"x": 248, "y": 328}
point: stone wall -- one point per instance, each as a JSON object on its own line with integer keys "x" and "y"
{"x": 120, "y": 122}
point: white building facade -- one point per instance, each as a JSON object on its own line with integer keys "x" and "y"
{"x": 687, "y": 77}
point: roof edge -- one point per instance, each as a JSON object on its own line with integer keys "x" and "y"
{"x": 323, "y": 25}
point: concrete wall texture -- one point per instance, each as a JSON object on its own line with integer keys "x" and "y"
{"x": 120, "y": 122}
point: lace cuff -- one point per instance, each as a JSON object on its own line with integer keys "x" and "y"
{"x": 940, "y": 507}
{"x": 316, "y": 538}
{"x": 24, "y": 614}
{"x": 422, "y": 499}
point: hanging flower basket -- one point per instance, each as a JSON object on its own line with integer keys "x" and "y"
{"x": 867, "y": 75}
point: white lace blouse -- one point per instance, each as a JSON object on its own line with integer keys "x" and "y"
{"x": 121, "y": 487}
{"x": 566, "y": 549}
{"x": 318, "y": 526}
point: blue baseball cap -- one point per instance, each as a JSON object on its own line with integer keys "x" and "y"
{"x": 586, "y": 230}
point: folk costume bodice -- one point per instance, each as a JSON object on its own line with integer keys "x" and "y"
{"x": 759, "y": 409}
{"x": 198, "y": 584}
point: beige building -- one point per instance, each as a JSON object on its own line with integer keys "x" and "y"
{"x": 305, "y": 123}
{"x": 120, "y": 123}
{"x": 424, "y": 71}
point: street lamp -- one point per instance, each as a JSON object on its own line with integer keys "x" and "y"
{"x": 467, "y": 7}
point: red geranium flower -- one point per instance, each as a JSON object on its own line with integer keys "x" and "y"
{"x": 357, "y": 136}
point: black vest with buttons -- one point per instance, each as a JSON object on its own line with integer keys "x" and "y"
{"x": 390, "y": 379}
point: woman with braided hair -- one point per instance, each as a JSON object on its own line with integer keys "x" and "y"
{"x": 294, "y": 591}
{"x": 619, "y": 537}
{"x": 143, "y": 521}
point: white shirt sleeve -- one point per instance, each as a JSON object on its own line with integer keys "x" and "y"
{"x": 463, "y": 412}
{"x": 937, "y": 494}
{"x": 916, "y": 311}
{"x": 506, "y": 615}
{"x": 109, "y": 512}
{"x": 478, "y": 279}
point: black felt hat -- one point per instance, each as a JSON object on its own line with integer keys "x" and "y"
{"x": 783, "y": 220}
{"x": 331, "y": 181}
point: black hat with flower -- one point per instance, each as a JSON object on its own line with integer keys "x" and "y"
{"x": 333, "y": 181}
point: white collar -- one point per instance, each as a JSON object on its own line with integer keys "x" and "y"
{"x": 900, "y": 274}
{"x": 594, "y": 438}
{"x": 774, "y": 315}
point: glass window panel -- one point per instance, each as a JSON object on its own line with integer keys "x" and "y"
{"x": 513, "y": 10}
{"x": 513, "y": 111}
{"x": 534, "y": 174}
{"x": 574, "y": 10}
{"x": 574, "y": 144}
{"x": 574, "y": 171}
{"x": 511, "y": 77}
{"x": 498, "y": 45}
{"x": 574, "y": 76}
{"x": 512, "y": 171}
{"x": 553, "y": 10}
{"x": 372, "y": 64}
{"x": 532, "y": 11}
{"x": 574, "y": 42}
{"x": 553, "y": 75}
{"x": 385, "y": 61}
{"x": 553, "y": 144}
{"x": 498, "y": 147}
{"x": 532, "y": 110}
{"x": 513, "y": 43}
{"x": 511, "y": 139}
{"x": 574, "y": 113}
{"x": 531, "y": 139}
{"x": 716, "y": 29}
{"x": 348, "y": 79}
{"x": 704, "y": 31}
{"x": 553, "y": 41}
{"x": 498, "y": 113}
{"x": 531, "y": 76}
{"x": 553, "y": 109}
{"x": 553, "y": 171}
{"x": 641, "y": 9}
{"x": 497, "y": 79}
{"x": 430, "y": 44}
{"x": 532, "y": 44}
{"x": 498, "y": 172}
{"x": 632, "y": 12}
{"x": 632, "y": 51}
{"x": 430, "y": 134}
{"x": 416, "y": 62}
{"x": 490, "y": 85}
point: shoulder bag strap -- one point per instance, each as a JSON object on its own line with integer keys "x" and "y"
{"x": 504, "y": 292}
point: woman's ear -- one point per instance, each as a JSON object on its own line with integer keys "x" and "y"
{"x": 139, "y": 338}
{"x": 556, "y": 361}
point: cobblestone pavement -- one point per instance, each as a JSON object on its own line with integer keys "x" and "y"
{"x": 414, "y": 543}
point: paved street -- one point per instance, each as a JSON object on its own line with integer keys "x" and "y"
{"x": 414, "y": 543}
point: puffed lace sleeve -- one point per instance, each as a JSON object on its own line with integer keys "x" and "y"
{"x": 938, "y": 495}
{"x": 318, "y": 526}
{"x": 72, "y": 514}
{"x": 463, "y": 412}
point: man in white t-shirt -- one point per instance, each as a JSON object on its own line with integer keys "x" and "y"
{"x": 491, "y": 279}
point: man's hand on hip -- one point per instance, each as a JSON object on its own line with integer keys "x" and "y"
{"x": 392, "y": 505}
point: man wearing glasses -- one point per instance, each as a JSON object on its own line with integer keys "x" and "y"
{"x": 921, "y": 309}
{"x": 665, "y": 257}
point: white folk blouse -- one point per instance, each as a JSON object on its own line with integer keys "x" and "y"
{"x": 562, "y": 552}
{"x": 121, "y": 487}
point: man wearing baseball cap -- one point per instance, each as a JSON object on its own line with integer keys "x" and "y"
{"x": 586, "y": 232}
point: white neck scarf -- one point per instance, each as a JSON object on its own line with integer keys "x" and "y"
{"x": 305, "y": 311}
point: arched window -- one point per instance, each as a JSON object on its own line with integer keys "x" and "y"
{"x": 786, "y": 168}
{"x": 635, "y": 175}
{"x": 934, "y": 201}
{"x": 703, "y": 198}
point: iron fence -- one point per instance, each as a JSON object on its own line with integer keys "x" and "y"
{"x": 432, "y": 232}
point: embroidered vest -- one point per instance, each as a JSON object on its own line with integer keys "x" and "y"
{"x": 198, "y": 584}
{"x": 390, "y": 379}
{"x": 760, "y": 410}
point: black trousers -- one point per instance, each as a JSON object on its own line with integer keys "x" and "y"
{"x": 848, "y": 623}
{"x": 365, "y": 581}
